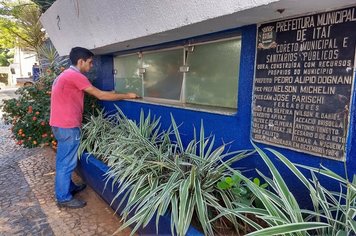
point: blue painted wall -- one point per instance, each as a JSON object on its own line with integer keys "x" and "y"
{"x": 229, "y": 128}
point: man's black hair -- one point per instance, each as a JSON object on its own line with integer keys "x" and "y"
{"x": 79, "y": 53}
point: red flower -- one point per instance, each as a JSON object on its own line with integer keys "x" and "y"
{"x": 34, "y": 118}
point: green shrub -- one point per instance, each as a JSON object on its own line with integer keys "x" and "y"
{"x": 157, "y": 174}
{"x": 29, "y": 113}
{"x": 333, "y": 213}
{"x": 239, "y": 189}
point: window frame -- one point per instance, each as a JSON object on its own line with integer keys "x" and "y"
{"x": 238, "y": 75}
{"x": 184, "y": 46}
{"x": 143, "y": 81}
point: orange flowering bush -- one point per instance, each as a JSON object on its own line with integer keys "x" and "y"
{"x": 29, "y": 113}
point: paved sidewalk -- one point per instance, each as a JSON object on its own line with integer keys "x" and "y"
{"x": 27, "y": 205}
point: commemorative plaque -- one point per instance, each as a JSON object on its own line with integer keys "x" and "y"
{"x": 304, "y": 81}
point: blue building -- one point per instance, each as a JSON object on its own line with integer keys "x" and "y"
{"x": 278, "y": 73}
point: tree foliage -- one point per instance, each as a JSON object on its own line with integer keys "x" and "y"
{"x": 6, "y": 57}
{"x": 20, "y": 25}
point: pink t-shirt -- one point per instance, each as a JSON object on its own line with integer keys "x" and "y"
{"x": 67, "y": 99}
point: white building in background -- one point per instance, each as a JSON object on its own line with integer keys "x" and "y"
{"x": 23, "y": 62}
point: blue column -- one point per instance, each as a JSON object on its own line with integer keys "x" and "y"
{"x": 104, "y": 66}
{"x": 351, "y": 141}
{"x": 247, "y": 67}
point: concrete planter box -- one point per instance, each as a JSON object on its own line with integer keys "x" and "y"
{"x": 93, "y": 172}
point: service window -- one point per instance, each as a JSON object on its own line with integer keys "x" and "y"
{"x": 162, "y": 78}
{"x": 127, "y": 74}
{"x": 200, "y": 75}
{"x": 213, "y": 74}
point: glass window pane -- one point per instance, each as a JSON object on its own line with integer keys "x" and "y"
{"x": 127, "y": 78}
{"x": 162, "y": 78}
{"x": 213, "y": 74}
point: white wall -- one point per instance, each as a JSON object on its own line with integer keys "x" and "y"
{"x": 23, "y": 62}
{"x": 112, "y": 25}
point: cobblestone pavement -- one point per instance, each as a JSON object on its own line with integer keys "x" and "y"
{"x": 27, "y": 205}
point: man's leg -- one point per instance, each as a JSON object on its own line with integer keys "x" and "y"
{"x": 66, "y": 161}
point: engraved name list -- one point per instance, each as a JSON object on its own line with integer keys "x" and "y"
{"x": 303, "y": 82}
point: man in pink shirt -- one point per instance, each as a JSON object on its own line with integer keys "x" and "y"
{"x": 67, "y": 103}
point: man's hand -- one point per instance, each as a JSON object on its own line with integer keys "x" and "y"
{"x": 109, "y": 95}
{"x": 132, "y": 95}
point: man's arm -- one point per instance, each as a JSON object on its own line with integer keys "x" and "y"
{"x": 108, "y": 95}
